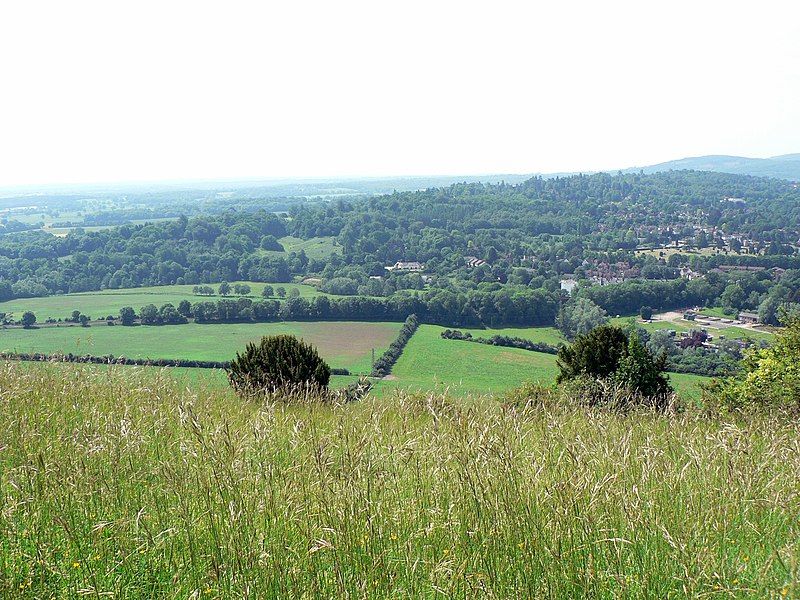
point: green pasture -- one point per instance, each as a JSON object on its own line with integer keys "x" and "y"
{"x": 343, "y": 344}
{"x": 431, "y": 363}
{"x": 316, "y": 247}
{"x": 108, "y": 302}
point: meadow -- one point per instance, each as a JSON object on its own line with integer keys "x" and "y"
{"x": 343, "y": 344}
{"x": 122, "y": 484}
{"x": 108, "y": 302}
{"x": 430, "y": 363}
{"x": 316, "y": 247}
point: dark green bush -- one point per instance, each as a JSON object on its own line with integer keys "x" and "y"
{"x": 276, "y": 363}
{"x": 609, "y": 368}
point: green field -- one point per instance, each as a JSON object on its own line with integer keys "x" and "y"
{"x": 198, "y": 380}
{"x": 108, "y": 302}
{"x": 343, "y": 344}
{"x": 542, "y": 335}
{"x": 430, "y": 363}
{"x": 123, "y": 485}
{"x": 317, "y": 247}
{"x": 716, "y": 311}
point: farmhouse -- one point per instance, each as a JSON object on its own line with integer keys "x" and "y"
{"x": 474, "y": 261}
{"x": 410, "y": 266}
{"x": 569, "y": 283}
{"x": 748, "y": 317}
{"x": 688, "y": 273}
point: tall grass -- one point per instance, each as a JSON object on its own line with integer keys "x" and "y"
{"x": 121, "y": 484}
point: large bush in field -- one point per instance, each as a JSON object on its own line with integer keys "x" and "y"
{"x": 613, "y": 368}
{"x": 596, "y": 353}
{"x": 277, "y": 362}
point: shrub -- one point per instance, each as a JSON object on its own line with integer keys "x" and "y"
{"x": 278, "y": 363}
{"x": 596, "y": 353}
{"x": 500, "y": 340}
{"x": 770, "y": 377}
{"x": 28, "y": 319}
{"x": 614, "y": 369}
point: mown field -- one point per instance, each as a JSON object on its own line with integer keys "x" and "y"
{"x": 125, "y": 485}
{"x": 460, "y": 368}
{"x": 316, "y": 247}
{"x": 343, "y": 344}
{"x": 108, "y": 302}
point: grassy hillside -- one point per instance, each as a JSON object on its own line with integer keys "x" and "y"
{"x": 316, "y": 247}
{"x": 342, "y": 343}
{"x": 108, "y": 302}
{"x": 128, "y": 486}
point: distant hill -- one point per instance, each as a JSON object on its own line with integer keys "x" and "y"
{"x": 786, "y": 166}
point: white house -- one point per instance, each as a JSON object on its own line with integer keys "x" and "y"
{"x": 410, "y": 267}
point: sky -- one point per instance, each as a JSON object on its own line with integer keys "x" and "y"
{"x": 171, "y": 90}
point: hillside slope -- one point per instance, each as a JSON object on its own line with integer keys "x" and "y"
{"x": 786, "y": 166}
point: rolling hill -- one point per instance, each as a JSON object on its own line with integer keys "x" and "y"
{"x": 786, "y": 166}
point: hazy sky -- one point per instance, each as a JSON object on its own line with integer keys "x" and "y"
{"x": 110, "y": 90}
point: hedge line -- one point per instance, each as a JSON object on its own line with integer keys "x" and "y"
{"x": 383, "y": 366}
{"x": 123, "y": 360}
{"x": 500, "y": 340}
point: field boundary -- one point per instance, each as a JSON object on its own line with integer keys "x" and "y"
{"x": 500, "y": 340}
{"x": 383, "y": 366}
{"x": 123, "y": 360}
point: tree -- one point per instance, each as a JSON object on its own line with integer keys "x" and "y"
{"x": 28, "y": 319}
{"x": 169, "y": 315}
{"x": 149, "y": 315}
{"x": 606, "y": 353}
{"x": 76, "y": 315}
{"x": 770, "y": 378}
{"x": 281, "y": 292}
{"x": 268, "y": 242}
{"x": 127, "y": 315}
{"x": 646, "y": 313}
{"x": 224, "y": 288}
{"x": 701, "y": 239}
{"x": 638, "y": 370}
{"x": 241, "y": 289}
{"x": 267, "y": 292}
{"x": 84, "y": 320}
{"x": 579, "y": 316}
{"x": 275, "y": 363}
{"x": 732, "y": 297}
{"x": 185, "y": 308}
{"x": 596, "y": 354}
{"x": 294, "y": 293}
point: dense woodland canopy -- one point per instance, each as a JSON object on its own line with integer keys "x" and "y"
{"x": 526, "y": 236}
